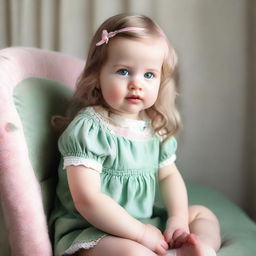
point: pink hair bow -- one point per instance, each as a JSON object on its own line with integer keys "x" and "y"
{"x": 106, "y": 36}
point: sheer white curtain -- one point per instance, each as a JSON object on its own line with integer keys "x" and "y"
{"x": 212, "y": 38}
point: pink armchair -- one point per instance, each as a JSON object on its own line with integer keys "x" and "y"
{"x": 20, "y": 193}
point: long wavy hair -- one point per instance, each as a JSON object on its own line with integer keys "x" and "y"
{"x": 164, "y": 114}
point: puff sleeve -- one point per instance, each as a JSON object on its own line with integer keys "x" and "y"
{"x": 167, "y": 152}
{"x": 85, "y": 142}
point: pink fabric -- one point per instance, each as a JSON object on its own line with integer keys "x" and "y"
{"x": 19, "y": 190}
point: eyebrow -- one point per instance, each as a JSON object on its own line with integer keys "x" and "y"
{"x": 120, "y": 65}
{"x": 153, "y": 70}
{"x": 129, "y": 67}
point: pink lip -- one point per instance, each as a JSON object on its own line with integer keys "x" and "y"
{"x": 134, "y": 98}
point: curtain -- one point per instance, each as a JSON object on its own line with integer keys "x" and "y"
{"x": 217, "y": 62}
{"x": 61, "y": 25}
{"x": 252, "y": 115}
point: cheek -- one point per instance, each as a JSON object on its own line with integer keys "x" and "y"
{"x": 152, "y": 95}
{"x": 112, "y": 95}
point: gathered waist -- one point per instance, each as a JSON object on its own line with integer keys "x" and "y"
{"x": 129, "y": 172}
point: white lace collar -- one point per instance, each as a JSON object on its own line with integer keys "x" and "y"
{"x": 118, "y": 120}
{"x": 137, "y": 125}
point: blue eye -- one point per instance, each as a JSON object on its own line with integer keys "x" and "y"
{"x": 123, "y": 72}
{"x": 149, "y": 75}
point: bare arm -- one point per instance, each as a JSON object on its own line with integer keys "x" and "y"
{"x": 174, "y": 191}
{"x": 99, "y": 209}
{"x": 175, "y": 198}
{"x": 104, "y": 213}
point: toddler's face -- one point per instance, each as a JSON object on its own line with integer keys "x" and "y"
{"x": 130, "y": 78}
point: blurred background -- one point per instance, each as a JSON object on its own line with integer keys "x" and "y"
{"x": 215, "y": 43}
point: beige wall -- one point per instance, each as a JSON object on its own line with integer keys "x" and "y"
{"x": 212, "y": 42}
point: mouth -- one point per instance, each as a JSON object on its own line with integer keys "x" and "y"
{"x": 134, "y": 98}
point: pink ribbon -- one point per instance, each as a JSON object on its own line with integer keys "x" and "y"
{"x": 106, "y": 36}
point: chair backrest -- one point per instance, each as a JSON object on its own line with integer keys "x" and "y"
{"x": 34, "y": 85}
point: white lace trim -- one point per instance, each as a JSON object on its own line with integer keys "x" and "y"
{"x": 168, "y": 161}
{"x": 136, "y": 125}
{"x": 81, "y": 245}
{"x": 89, "y": 163}
{"x": 121, "y": 126}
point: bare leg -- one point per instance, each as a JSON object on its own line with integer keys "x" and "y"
{"x": 204, "y": 238}
{"x": 116, "y": 246}
{"x": 204, "y": 224}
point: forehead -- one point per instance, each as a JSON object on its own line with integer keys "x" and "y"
{"x": 130, "y": 51}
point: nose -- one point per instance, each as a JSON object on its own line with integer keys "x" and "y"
{"x": 135, "y": 85}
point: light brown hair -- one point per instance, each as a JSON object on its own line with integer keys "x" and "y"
{"x": 164, "y": 115}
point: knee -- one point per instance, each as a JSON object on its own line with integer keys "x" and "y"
{"x": 201, "y": 212}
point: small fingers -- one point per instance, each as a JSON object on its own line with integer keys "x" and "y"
{"x": 177, "y": 233}
{"x": 162, "y": 247}
{"x": 161, "y": 250}
{"x": 180, "y": 240}
{"x": 171, "y": 236}
{"x": 169, "y": 240}
{"x": 177, "y": 238}
{"x": 165, "y": 245}
{"x": 168, "y": 235}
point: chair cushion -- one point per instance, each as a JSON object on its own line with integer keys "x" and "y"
{"x": 36, "y": 101}
{"x": 238, "y": 231}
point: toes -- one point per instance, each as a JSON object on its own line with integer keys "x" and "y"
{"x": 192, "y": 239}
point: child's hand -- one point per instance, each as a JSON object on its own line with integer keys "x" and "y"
{"x": 153, "y": 239}
{"x": 176, "y": 232}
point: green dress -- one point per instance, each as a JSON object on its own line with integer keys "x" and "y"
{"x": 127, "y": 154}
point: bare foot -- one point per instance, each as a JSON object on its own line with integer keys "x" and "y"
{"x": 194, "y": 247}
